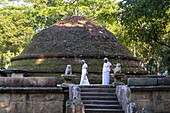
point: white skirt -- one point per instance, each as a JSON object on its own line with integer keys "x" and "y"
{"x": 106, "y": 78}
{"x": 84, "y": 80}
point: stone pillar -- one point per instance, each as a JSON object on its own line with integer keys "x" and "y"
{"x": 74, "y": 104}
{"x": 68, "y": 79}
{"x": 124, "y": 96}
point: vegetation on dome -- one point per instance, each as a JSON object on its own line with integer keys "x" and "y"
{"x": 141, "y": 25}
{"x": 74, "y": 37}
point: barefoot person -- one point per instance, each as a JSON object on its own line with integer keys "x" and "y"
{"x": 106, "y": 72}
{"x": 84, "y": 80}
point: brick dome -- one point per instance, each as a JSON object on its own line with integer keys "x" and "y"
{"x": 67, "y": 42}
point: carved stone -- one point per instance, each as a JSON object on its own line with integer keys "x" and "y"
{"x": 74, "y": 104}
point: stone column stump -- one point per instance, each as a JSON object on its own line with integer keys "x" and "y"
{"x": 74, "y": 104}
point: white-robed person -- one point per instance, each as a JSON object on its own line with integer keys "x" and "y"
{"x": 106, "y": 72}
{"x": 84, "y": 80}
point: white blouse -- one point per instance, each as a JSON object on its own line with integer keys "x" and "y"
{"x": 84, "y": 68}
{"x": 106, "y": 67}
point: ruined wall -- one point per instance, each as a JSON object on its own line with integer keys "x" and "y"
{"x": 31, "y": 95}
{"x": 55, "y": 67}
{"x": 152, "y": 99}
{"x": 153, "y": 94}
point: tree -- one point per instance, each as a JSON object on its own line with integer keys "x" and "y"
{"x": 146, "y": 27}
{"x": 19, "y": 23}
{"x": 16, "y": 31}
{"x": 146, "y": 20}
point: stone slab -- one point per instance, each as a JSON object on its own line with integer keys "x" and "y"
{"x": 142, "y": 81}
{"x": 155, "y": 76}
{"x": 164, "y": 81}
{"x": 28, "y": 81}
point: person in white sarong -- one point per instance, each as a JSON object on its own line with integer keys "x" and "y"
{"x": 84, "y": 80}
{"x": 106, "y": 72}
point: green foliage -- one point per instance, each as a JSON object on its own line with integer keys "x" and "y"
{"x": 15, "y": 32}
{"x": 166, "y": 61}
{"x": 143, "y": 25}
{"x": 146, "y": 20}
{"x": 146, "y": 26}
{"x": 19, "y": 23}
{"x": 100, "y": 11}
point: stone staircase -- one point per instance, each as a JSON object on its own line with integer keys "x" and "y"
{"x": 100, "y": 99}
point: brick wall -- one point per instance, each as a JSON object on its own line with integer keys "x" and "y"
{"x": 153, "y": 94}
{"x": 31, "y": 95}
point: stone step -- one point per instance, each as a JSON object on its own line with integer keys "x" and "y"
{"x": 104, "y": 111}
{"x": 97, "y": 94}
{"x": 102, "y": 106}
{"x": 98, "y": 97}
{"x": 100, "y": 102}
{"x": 111, "y": 90}
{"x": 96, "y": 86}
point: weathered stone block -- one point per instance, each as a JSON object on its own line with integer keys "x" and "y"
{"x": 48, "y": 107}
{"x": 4, "y": 110}
{"x": 2, "y": 81}
{"x": 46, "y": 81}
{"x": 166, "y": 95}
{"x": 4, "y": 97}
{"x": 20, "y": 97}
{"x": 164, "y": 81}
{"x": 155, "y": 99}
{"x": 141, "y": 96}
{"x": 41, "y": 103}
{"x": 4, "y": 105}
{"x": 31, "y": 95}
{"x": 144, "y": 104}
{"x": 158, "y": 95}
{"x": 36, "y": 107}
{"x": 142, "y": 81}
{"x": 166, "y": 105}
{"x": 158, "y": 105}
{"x": 46, "y": 97}
{"x": 28, "y": 81}
{"x": 74, "y": 106}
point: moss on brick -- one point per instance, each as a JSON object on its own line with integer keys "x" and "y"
{"x": 68, "y": 42}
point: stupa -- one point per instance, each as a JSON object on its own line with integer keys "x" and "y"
{"x": 68, "y": 42}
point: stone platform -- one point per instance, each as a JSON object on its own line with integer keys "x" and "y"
{"x": 31, "y": 95}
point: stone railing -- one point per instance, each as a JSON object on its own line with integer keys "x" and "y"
{"x": 124, "y": 96}
{"x": 74, "y": 104}
{"x": 31, "y": 95}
